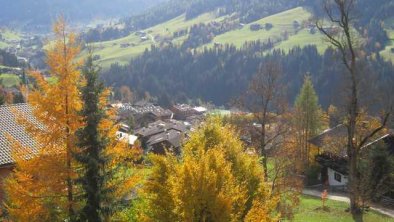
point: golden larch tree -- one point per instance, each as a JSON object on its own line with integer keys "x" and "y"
{"x": 41, "y": 187}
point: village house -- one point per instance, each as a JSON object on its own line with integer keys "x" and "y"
{"x": 144, "y": 113}
{"x": 10, "y": 128}
{"x": 162, "y": 136}
{"x": 183, "y": 111}
{"x": 123, "y": 134}
{"x": 332, "y": 155}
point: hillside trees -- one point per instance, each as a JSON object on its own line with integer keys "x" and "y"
{"x": 376, "y": 168}
{"x": 2, "y": 94}
{"x": 340, "y": 13}
{"x": 225, "y": 72}
{"x": 307, "y": 119}
{"x": 42, "y": 188}
{"x": 215, "y": 180}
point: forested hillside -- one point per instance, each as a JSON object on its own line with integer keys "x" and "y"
{"x": 224, "y": 73}
{"x": 39, "y": 14}
{"x": 218, "y": 45}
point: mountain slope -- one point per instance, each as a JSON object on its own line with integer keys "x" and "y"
{"x": 41, "y": 13}
{"x": 123, "y": 49}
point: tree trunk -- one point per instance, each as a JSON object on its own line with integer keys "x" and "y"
{"x": 353, "y": 151}
{"x": 263, "y": 151}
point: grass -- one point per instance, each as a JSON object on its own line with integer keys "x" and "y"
{"x": 8, "y": 35}
{"x": 282, "y": 22}
{"x": 111, "y": 51}
{"x": 302, "y": 39}
{"x": 386, "y": 53}
{"x": 307, "y": 211}
{"x": 9, "y": 80}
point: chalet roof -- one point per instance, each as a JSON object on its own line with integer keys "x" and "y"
{"x": 334, "y": 162}
{"x": 142, "y": 108}
{"x": 387, "y": 139}
{"x": 10, "y": 127}
{"x": 161, "y": 126}
{"x": 182, "y": 107}
{"x": 174, "y": 137}
{"x": 338, "y": 131}
{"x": 339, "y": 163}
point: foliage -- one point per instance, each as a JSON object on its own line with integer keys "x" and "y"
{"x": 224, "y": 72}
{"x": 8, "y": 59}
{"x": 2, "y": 94}
{"x": 307, "y": 119}
{"x": 215, "y": 180}
{"x": 41, "y": 188}
{"x": 285, "y": 174}
{"x": 376, "y": 169}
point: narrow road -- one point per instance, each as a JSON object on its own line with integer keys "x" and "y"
{"x": 343, "y": 198}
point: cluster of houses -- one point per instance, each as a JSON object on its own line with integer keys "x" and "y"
{"x": 158, "y": 129}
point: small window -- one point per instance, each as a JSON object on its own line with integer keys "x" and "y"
{"x": 338, "y": 177}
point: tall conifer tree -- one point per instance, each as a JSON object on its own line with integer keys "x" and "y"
{"x": 105, "y": 162}
{"x": 308, "y": 114}
{"x": 92, "y": 145}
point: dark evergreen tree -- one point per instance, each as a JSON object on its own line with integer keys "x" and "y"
{"x": 2, "y": 99}
{"x": 92, "y": 145}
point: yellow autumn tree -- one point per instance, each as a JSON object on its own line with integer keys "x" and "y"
{"x": 41, "y": 187}
{"x": 215, "y": 180}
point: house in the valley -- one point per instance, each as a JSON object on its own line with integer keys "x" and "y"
{"x": 123, "y": 134}
{"x": 333, "y": 157}
{"x": 183, "y": 111}
{"x": 162, "y": 136}
{"x": 10, "y": 130}
{"x": 144, "y": 113}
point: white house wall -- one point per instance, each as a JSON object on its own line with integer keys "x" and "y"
{"x": 333, "y": 182}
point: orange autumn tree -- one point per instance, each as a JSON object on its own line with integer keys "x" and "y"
{"x": 41, "y": 187}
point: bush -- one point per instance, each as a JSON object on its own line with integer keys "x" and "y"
{"x": 312, "y": 175}
{"x": 268, "y": 26}
{"x": 255, "y": 27}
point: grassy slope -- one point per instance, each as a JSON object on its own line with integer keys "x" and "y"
{"x": 307, "y": 212}
{"x": 281, "y": 22}
{"x": 9, "y": 80}
{"x": 111, "y": 52}
{"x": 386, "y": 53}
{"x": 8, "y": 35}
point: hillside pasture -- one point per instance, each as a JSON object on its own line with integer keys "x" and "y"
{"x": 123, "y": 49}
{"x": 9, "y": 80}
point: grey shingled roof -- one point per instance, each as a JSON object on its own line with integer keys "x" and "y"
{"x": 336, "y": 132}
{"x": 9, "y": 126}
{"x": 174, "y": 137}
{"x": 161, "y": 126}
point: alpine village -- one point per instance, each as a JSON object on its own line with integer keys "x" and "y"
{"x": 197, "y": 111}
